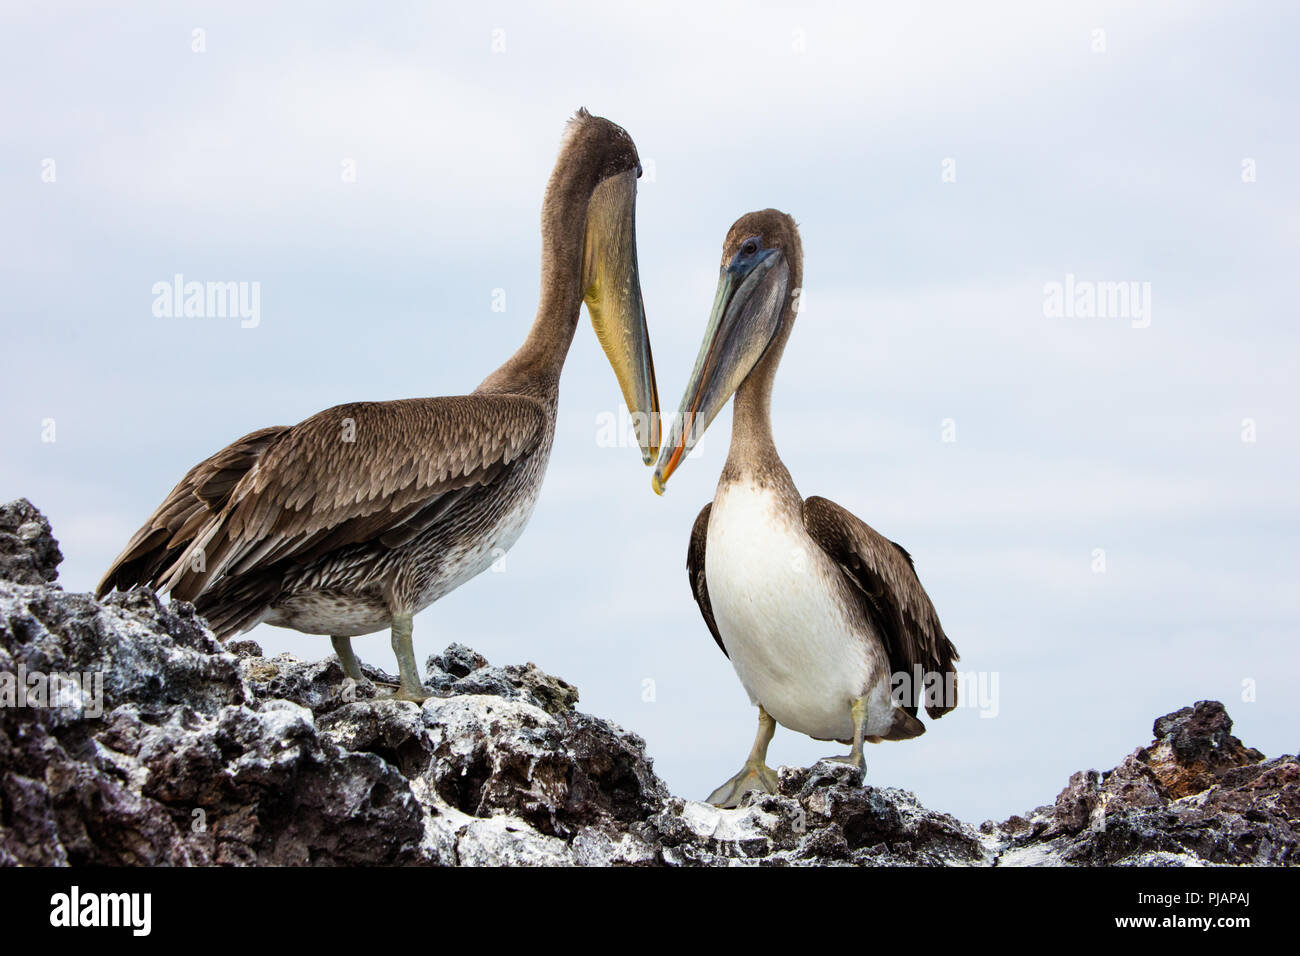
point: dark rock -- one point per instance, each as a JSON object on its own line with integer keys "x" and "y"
{"x": 1194, "y": 796}
{"x": 320, "y": 687}
{"x": 1075, "y": 804}
{"x": 457, "y": 660}
{"x": 244, "y": 647}
{"x": 151, "y": 744}
{"x": 1193, "y": 746}
{"x": 459, "y": 671}
{"x": 28, "y": 552}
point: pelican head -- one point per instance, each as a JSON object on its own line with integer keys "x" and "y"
{"x": 751, "y": 310}
{"x": 611, "y": 284}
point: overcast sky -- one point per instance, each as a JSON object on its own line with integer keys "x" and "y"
{"x": 947, "y": 163}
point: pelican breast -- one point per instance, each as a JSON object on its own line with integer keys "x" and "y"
{"x": 778, "y": 600}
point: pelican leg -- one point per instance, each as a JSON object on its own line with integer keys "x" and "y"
{"x": 854, "y": 756}
{"x": 351, "y": 666}
{"x": 408, "y": 671}
{"x": 756, "y": 774}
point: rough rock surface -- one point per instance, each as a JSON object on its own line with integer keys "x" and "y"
{"x": 1194, "y": 796}
{"x": 173, "y": 749}
{"x": 28, "y": 552}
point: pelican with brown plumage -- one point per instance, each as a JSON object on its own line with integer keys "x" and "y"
{"x": 363, "y": 515}
{"x": 823, "y": 619}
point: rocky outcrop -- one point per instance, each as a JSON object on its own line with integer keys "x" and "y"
{"x": 28, "y": 552}
{"x": 1195, "y": 795}
{"x": 131, "y": 736}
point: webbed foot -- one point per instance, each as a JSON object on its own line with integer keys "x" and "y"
{"x": 415, "y": 696}
{"x": 753, "y": 776}
{"x": 852, "y": 759}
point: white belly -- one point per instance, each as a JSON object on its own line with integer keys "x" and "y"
{"x": 795, "y": 649}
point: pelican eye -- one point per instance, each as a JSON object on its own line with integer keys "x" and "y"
{"x": 749, "y": 248}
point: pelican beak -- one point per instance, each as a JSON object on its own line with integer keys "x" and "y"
{"x": 746, "y": 316}
{"x": 612, "y": 291}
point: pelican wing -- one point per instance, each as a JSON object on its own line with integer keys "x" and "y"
{"x": 353, "y": 473}
{"x": 202, "y": 493}
{"x": 695, "y": 571}
{"x": 891, "y": 594}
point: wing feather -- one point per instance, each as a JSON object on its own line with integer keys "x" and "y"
{"x": 892, "y": 596}
{"x": 352, "y": 473}
{"x": 695, "y": 571}
{"x": 202, "y": 493}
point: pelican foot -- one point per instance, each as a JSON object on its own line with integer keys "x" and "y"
{"x": 411, "y": 694}
{"x": 853, "y": 760}
{"x": 752, "y": 776}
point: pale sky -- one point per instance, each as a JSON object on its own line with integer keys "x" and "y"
{"x": 945, "y": 161}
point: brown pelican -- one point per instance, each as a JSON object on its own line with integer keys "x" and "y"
{"x": 364, "y": 514}
{"x": 823, "y": 619}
